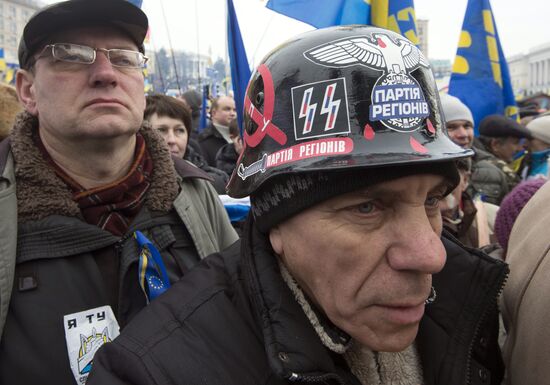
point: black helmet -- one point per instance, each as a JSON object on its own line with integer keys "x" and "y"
{"x": 340, "y": 98}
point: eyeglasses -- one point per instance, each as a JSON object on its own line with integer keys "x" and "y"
{"x": 81, "y": 54}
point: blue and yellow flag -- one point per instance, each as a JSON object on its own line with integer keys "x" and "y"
{"x": 480, "y": 77}
{"x": 396, "y": 15}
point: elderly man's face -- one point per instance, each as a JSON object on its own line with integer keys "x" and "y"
{"x": 461, "y": 132}
{"x": 76, "y": 102}
{"x": 366, "y": 258}
{"x": 505, "y": 148}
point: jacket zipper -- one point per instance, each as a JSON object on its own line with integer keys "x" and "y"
{"x": 295, "y": 377}
{"x": 503, "y": 277}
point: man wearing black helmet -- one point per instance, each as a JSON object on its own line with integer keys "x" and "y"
{"x": 101, "y": 222}
{"x": 342, "y": 275}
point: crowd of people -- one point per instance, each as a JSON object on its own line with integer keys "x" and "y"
{"x": 404, "y": 250}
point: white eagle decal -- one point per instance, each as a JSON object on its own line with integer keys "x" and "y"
{"x": 380, "y": 52}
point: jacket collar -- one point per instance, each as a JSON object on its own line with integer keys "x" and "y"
{"x": 41, "y": 193}
{"x": 292, "y": 345}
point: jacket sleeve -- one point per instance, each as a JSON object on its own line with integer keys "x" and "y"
{"x": 225, "y": 233}
{"x": 488, "y": 180}
{"x": 202, "y": 212}
{"x": 114, "y": 365}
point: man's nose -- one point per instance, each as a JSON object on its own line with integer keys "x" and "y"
{"x": 417, "y": 246}
{"x": 103, "y": 72}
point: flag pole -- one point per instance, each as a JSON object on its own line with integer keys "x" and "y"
{"x": 198, "y": 46}
{"x": 171, "y": 48}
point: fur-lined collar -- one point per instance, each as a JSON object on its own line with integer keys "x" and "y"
{"x": 40, "y": 193}
{"x": 371, "y": 368}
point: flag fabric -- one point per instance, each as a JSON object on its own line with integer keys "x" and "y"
{"x": 137, "y": 3}
{"x": 396, "y": 15}
{"x": 203, "y": 118}
{"x": 323, "y": 13}
{"x": 240, "y": 70}
{"x": 480, "y": 77}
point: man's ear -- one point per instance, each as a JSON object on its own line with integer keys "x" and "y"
{"x": 276, "y": 240}
{"x": 494, "y": 144}
{"x": 24, "y": 85}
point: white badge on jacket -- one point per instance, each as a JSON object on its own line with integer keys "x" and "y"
{"x": 85, "y": 333}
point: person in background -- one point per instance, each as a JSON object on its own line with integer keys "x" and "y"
{"x": 502, "y": 137}
{"x": 193, "y": 99}
{"x": 214, "y": 136}
{"x": 9, "y": 108}
{"x": 510, "y": 208}
{"x": 487, "y": 181}
{"x": 463, "y": 217}
{"x": 344, "y": 274}
{"x": 172, "y": 119}
{"x": 227, "y": 156}
{"x": 535, "y": 163}
{"x": 524, "y": 303}
{"x": 97, "y": 219}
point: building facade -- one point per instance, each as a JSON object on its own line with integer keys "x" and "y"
{"x": 422, "y": 33}
{"x": 530, "y": 72}
{"x": 14, "y": 14}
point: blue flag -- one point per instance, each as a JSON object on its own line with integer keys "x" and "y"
{"x": 137, "y": 3}
{"x": 480, "y": 77}
{"x": 203, "y": 121}
{"x": 240, "y": 70}
{"x": 396, "y": 15}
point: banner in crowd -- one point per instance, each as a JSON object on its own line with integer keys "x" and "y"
{"x": 480, "y": 76}
{"x": 396, "y": 15}
{"x": 240, "y": 70}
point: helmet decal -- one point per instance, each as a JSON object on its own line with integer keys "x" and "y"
{"x": 397, "y": 99}
{"x": 263, "y": 120}
{"x": 320, "y": 109}
{"x": 306, "y": 150}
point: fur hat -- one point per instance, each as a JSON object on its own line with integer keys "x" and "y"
{"x": 511, "y": 206}
{"x": 9, "y": 108}
{"x": 454, "y": 109}
{"x": 540, "y": 128}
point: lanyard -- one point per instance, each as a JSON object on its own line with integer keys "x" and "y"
{"x": 153, "y": 278}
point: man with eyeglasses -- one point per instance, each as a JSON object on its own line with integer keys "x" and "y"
{"x": 95, "y": 221}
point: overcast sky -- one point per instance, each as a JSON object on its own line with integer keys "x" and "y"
{"x": 521, "y": 25}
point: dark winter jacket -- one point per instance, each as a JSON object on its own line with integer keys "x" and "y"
{"x": 219, "y": 177}
{"x": 233, "y": 320}
{"x": 211, "y": 141}
{"x": 62, "y": 265}
{"x": 226, "y": 158}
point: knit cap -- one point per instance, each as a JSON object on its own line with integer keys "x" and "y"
{"x": 285, "y": 195}
{"x": 540, "y": 128}
{"x": 511, "y": 206}
{"x": 454, "y": 109}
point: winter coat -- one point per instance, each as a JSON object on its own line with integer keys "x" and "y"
{"x": 234, "y": 320}
{"x": 54, "y": 264}
{"x": 211, "y": 141}
{"x": 488, "y": 179}
{"x": 525, "y": 308}
{"x": 226, "y": 158}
